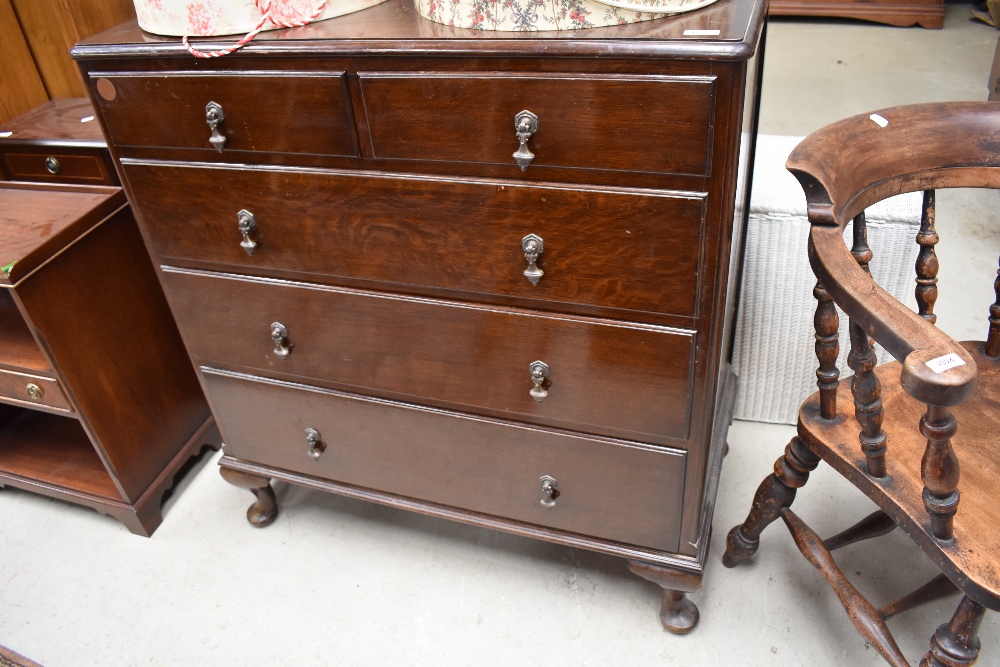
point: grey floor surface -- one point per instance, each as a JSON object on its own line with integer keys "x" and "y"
{"x": 339, "y": 582}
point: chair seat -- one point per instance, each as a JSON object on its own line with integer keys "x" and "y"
{"x": 972, "y": 559}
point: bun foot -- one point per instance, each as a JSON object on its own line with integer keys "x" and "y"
{"x": 738, "y": 548}
{"x": 265, "y": 510}
{"x": 677, "y": 613}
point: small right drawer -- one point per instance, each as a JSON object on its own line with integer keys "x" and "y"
{"x": 23, "y": 389}
{"x": 653, "y": 123}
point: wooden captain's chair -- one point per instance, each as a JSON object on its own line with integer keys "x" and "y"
{"x": 919, "y": 436}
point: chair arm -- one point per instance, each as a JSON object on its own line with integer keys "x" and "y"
{"x": 907, "y": 336}
{"x": 848, "y": 166}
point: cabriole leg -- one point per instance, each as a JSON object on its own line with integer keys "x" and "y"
{"x": 678, "y": 613}
{"x": 262, "y": 512}
{"x": 775, "y": 493}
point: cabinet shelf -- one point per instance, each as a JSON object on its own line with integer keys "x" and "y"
{"x": 54, "y": 450}
{"x": 18, "y": 349}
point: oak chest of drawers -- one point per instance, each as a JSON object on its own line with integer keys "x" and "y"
{"x": 489, "y": 277}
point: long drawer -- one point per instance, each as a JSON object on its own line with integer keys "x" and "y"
{"x": 614, "y": 378}
{"x": 602, "y": 248}
{"x": 660, "y": 124}
{"x": 615, "y": 491}
{"x": 306, "y": 112}
{"x": 23, "y": 389}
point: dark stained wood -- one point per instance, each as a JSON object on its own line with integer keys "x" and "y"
{"x": 678, "y": 613}
{"x": 584, "y": 123}
{"x": 867, "y": 394}
{"x": 956, "y": 644}
{"x": 265, "y": 510}
{"x": 59, "y": 122}
{"x": 863, "y": 615}
{"x": 902, "y": 13}
{"x": 451, "y": 459}
{"x": 826, "y": 323}
{"x": 18, "y": 349}
{"x": 876, "y": 524}
{"x": 396, "y": 28}
{"x": 52, "y": 27}
{"x": 14, "y": 389}
{"x": 22, "y": 86}
{"x": 926, "y": 291}
{"x": 610, "y": 249}
{"x": 445, "y": 313}
{"x": 37, "y": 224}
{"x": 935, "y": 589}
{"x": 307, "y": 111}
{"x": 53, "y": 450}
{"x": 775, "y": 493}
{"x": 993, "y": 337}
{"x": 939, "y": 470}
{"x": 116, "y": 347}
{"x": 86, "y": 169}
{"x": 970, "y": 557}
{"x": 353, "y": 340}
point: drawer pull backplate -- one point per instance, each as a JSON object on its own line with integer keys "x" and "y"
{"x": 533, "y": 247}
{"x": 214, "y": 117}
{"x": 549, "y": 491}
{"x": 539, "y": 373}
{"x": 279, "y": 334}
{"x": 525, "y": 124}
{"x": 248, "y": 225}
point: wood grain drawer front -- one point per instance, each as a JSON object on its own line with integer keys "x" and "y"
{"x": 615, "y": 491}
{"x": 24, "y": 389}
{"x": 305, "y": 112}
{"x": 631, "y": 123}
{"x": 58, "y": 167}
{"x": 600, "y": 248}
{"x": 621, "y": 380}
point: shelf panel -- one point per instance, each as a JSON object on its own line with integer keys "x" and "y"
{"x": 53, "y": 450}
{"x": 17, "y": 346}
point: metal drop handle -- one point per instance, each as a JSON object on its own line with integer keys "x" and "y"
{"x": 550, "y": 491}
{"x": 315, "y": 443}
{"x": 214, "y": 117}
{"x": 539, "y": 373}
{"x": 279, "y": 334}
{"x": 533, "y": 247}
{"x": 525, "y": 125}
{"x": 248, "y": 226}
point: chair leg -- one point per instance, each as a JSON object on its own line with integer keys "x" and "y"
{"x": 775, "y": 493}
{"x": 956, "y": 644}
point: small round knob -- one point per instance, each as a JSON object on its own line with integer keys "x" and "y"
{"x": 52, "y": 165}
{"x": 34, "y": 391}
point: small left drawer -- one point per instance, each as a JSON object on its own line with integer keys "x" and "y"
{"x": 221, "y": 115}
{"x": 32, "y": 390}
{"x": 58, "y": 165}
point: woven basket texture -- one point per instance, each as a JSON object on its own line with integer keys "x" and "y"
{"x": 773, "y": 349}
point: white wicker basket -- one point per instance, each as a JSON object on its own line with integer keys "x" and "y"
{"x": 773, "y": 353}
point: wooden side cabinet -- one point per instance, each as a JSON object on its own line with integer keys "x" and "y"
{"x": 99, "y": 404}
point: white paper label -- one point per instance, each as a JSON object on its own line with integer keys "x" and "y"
{"x": 701, "y": 33}
{"x": 941, "y": 364}
{"x": 882, "y": 122}
{"x": 86, "y": 119}
{"x": 4, "y": 135}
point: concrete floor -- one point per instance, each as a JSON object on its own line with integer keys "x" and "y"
{"x": 337, "y": 582}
